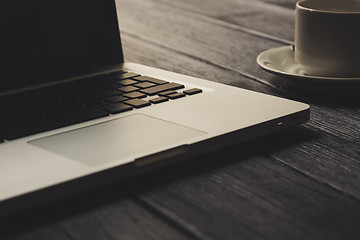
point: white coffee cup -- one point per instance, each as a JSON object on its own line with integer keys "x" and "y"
{"x": 327, "y": 37}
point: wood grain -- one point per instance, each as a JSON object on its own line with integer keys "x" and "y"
{"x": 252, "y": 197}
{"x": 267, "y": 18}
{"x": 101, "y": 214}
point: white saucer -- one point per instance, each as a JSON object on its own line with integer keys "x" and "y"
{"x": 281, "y": 61}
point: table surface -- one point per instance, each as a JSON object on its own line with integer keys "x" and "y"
{"x": 303, "y": 183}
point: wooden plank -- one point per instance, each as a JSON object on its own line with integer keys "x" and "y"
{"x": 343, "y": 122}
{"x": 324, "y": 157}
{"x": 327, "y": 159}
{"x": 255, "y": 15}
{"x": 109, "y": 216}
{"x": 251, "y": 197}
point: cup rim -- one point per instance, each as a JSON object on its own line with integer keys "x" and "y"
{"x": 311, "y": 9}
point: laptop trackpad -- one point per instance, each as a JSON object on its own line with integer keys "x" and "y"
{"x": 118, "y": 139}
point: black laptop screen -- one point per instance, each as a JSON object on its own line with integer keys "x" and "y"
{"x": 45, "y": 40}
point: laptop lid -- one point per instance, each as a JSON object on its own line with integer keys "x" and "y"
{"x": 45, "y": 40}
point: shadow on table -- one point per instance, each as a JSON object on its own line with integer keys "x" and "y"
{"x": 330, "y": 100}
{"x": 321, "y": 93}
{"x": 64, "y": 209}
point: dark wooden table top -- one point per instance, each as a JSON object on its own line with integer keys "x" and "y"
{"x": 303, "y": 183}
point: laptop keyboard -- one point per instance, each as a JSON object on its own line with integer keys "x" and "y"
{"x": 49, "y": 108}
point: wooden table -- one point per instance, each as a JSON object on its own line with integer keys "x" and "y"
{"x": 303, "y": 183}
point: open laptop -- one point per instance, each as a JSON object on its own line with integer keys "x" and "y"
{"x": 75, "y": 116}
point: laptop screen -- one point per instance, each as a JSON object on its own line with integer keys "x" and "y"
{"x": 46, "y": 40}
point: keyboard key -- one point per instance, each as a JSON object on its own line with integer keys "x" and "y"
{"x": 127, "y": 75}
{"x": 164, "y": 94}
{"x": 117, "y": 99}
{"x": 159, "y": 100}
{"x": 161, "y": 88}
{"x": 127, "y": 82}
{"x": 150, "y": 79}
{"x": 192, "y": 91}
{"x": 135, "y": 95}
{"x": 128, "y": 89}
{"x": 176, "y": 95}
{"x": 145, "y": 85}
{"x": 117, "y": 108}
{"x": 138, "y": 103}
{"x": 68, "y": 103}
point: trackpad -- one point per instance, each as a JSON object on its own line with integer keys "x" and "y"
{"x": 117, "y": 140}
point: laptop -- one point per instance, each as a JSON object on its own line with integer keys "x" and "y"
{"x": 74, "y": 116}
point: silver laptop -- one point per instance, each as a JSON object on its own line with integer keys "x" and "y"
{"x": 75, "y": 116}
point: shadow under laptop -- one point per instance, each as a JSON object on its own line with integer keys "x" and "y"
{"x": 330, "y": 94}
{"x": 91, "y": 203}
{"x": 329, "y": 100}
